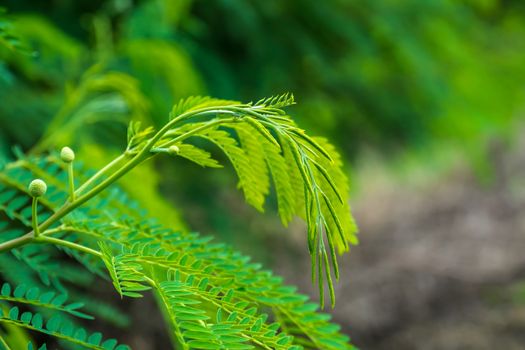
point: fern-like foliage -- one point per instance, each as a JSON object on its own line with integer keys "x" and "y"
{"x": 263, "y": 143}
{"x": 214, "y": 297}
{"x": 57, "y": 325}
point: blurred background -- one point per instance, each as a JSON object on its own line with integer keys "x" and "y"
{"x": 425, "y": 100}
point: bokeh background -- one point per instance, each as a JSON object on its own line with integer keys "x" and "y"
{"x": 425, "y": 100}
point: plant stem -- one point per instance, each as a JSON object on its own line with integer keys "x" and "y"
{"x": 29, "y": 237}
{"x": 189, "y": 114}
{"x": 71, "y": 181}
{"x": 69, "y": 206}
{"x": 100, "y": 173}
{"x": 68, "y": 244}
{"x": 17, "y": 242}
{"x": 196, "y": 130}
{"x": 34, "y": 216}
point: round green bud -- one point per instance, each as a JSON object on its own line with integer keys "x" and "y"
{"x": 173, "y": 149}
{"x": 37, "y": 188}
{"x": 67, "y": 155}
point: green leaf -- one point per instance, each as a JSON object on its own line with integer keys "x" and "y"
{"x": 6, "y": 289}
{"x": 59, "y": 300}
{"x": 198, "y": 344}
{"x": 95, "y": 338}
{"x": 37, "y": 321}
{"x": 197, "y": 155}
{"x": 53, "y": 324}
{"x": 80, "y": 334}
{"x": 20, "y": 291}
{"x": 47, "y": 297}
{"x": 109, "y": 344}
{"x": 254, "y": 189}
{"x": 33, "y": 293}
{"x": 26, "y": 317}
{"x": 13, "y": 313}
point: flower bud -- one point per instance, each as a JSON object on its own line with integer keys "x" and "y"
{"x": 37, "y": 188}
{"x": 67, "y": 155}
{"x": 173, "y": 150}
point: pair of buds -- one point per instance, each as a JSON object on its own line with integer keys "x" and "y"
{"x": 37, "y": 188}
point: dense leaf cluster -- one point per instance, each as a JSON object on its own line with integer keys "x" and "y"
{"x": 214, "y": 297}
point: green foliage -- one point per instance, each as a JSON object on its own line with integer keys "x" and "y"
{"x": 214, "y": 298}
{"x": 57, "y": 325}
{"x": 372, "y": 77}
{"x": 380, "y": 74}
{"x": 8, "y": 38}
{"x": 325, "y": 207}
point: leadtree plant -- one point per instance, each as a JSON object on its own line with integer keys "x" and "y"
{"x": 212, "y": 297}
